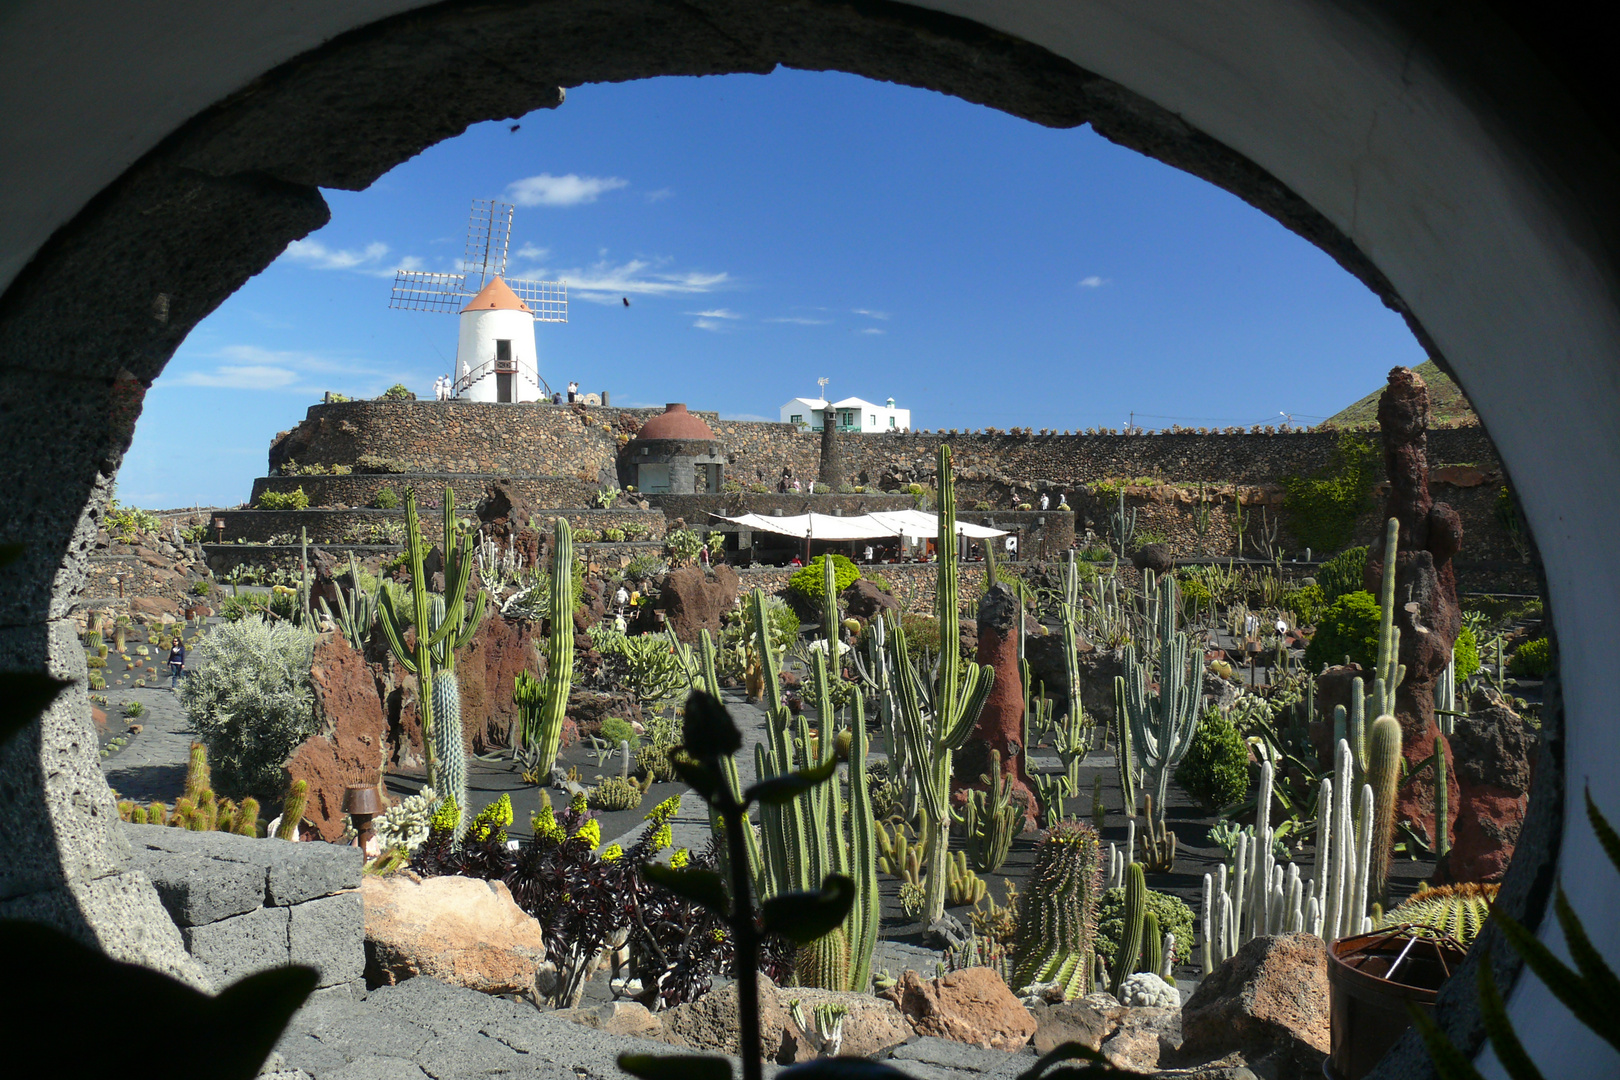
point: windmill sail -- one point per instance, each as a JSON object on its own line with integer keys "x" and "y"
{"x": 418, "y": 290}
{"x": 489, "y": 234}
{"x": 548, "y": 300}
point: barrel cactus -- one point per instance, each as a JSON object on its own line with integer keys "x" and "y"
{"x": 1458, "y": 911}
{"x": 1058, "y": 919}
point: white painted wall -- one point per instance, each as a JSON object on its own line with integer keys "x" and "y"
{"x": 476, "y": 345}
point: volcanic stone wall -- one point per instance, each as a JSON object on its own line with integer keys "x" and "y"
{"x": 360, "y": 489}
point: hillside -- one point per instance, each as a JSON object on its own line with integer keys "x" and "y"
{"x": 1447, "y": 405}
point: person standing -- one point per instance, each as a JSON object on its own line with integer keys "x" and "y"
{"x": 573, "y": 392}
{"x": 869, "y": 553}
{"x": 1045, "y": 502}
{"x": 1063, "y": 501}
{"x": 177, "y": 662}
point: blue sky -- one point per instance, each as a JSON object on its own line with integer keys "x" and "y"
{"x": 772, "y": 230}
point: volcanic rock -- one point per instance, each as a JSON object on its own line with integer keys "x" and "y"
{"x": 972, "y": 1006}
{"x": 1272, "y": 994}
{"x": 349, "y": 744}
{"x": 463, "y": 931}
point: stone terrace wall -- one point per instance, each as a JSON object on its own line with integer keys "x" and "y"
{"x": 350, "y": 526}
{"x": 360, "y": 489}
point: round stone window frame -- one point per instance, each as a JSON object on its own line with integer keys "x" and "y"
{"x": 1388, "y": 142}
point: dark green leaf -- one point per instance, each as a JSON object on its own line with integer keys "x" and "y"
{"x": 1605, "y": 832}
{"x": 1600, "y": 987}
{"x": 675, "y": 1066}
{"x": 1449, "y": 1062}
{"x": 781, "y": 789}
{"x": 697, "y": 776}
{"x": 1509, "y": 1051}
{"x": 259, "y": 1007}
{"x": 709, "y": 731}
{"x": 804, "y": 916}
{"x": 701, "y": 886}
{"x": 1565, "y": 984}
{"x": 26, "y": 694}
{"x": 10, "y": 553}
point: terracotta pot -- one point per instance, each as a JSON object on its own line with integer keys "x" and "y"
{"x": 1367, "y": 1008}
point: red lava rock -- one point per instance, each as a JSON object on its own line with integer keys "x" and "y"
{"x": 694, "y": 601}
{"x": 969, "y": 1006}
{"x": 1001, "y": 725}
{"x": 1426, "y": 608}
{"x": 487, "y": 667}
{"x": 350, "y": 743}
{"x": 1273, "y": 993}
{"x": 1493, "y": 752}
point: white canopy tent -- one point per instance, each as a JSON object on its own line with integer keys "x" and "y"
{"x": 876, "y": 526}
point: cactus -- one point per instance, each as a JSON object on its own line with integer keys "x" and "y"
{"x": 1124, "y": 528}
{"x": 1162, "y": 723}
{"x": 616, "y": 793}
{"x": 939, "y": 713}
{"x": 354, "y": 621}
{"x": 1099, "y": 809}
{"x": 1457, "y": 910}
{"x": 1384, "y": 776}
{"x": 1130, "y": 944}
{"x": 197, "y": 773}
{"x": 824, "y": 962}
{"x": 434, "y": 646}
{"x": 157, "y": 814}
{"x": 1442, "y": 802}
{"x": 1158, "y": 843}
{"x": 1050, "y": 789}
{"x": 542, "y": 723}
{"x": 1122, "y": 752}
{"x": 449, "y": 742}
{"x": 1057, "y": 920}
{"x": 292, "y": 811}
{"x": 1152, "y": 958}
{"x": 247, "y": 817}
{"x": 126, "y": 812}
{"x": 963, "y": 886}
{"x": 992, "y": 819}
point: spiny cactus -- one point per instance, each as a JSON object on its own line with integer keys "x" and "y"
{"x": 449, "y": 742}
{"x": 1384, "y": 776}
{"x": 616, "y": 793}
{"x": 1122, "y": 753}
{"x": 1099, "y": 809}
{"x": 354, "y": 621}
{"x": 1152, "y": 958}
{"x": 434, "y": 646}
{"x": 157, "y": 814}
{"x": 898, "y": 855}
{"x": 1162, "y": 721}
{"x": 197, "y": 773}
{"x": 292, "y": 811}
{"x": 824, "y": 962}
{"x": 993, "y": 819}
{"x": 126, "y": 812}
{"x": 543, "y": 719}
{"x": 1442, "y": 801}
{"x": 963, "y": 886}
{"x": 1457, "y": 910}
{"x": 1130, "y": 945}
{"x": 1158, "y": 846}
{"x": 247, "y": 817}
{"x": 1058, "y": 914}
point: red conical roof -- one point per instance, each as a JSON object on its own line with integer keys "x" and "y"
{"x": 675, "y": 423}
{"x": 496, "y": 296}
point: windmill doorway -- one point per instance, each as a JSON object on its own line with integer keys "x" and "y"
{"x": 504, "y": 370}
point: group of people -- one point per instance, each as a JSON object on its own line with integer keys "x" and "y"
{"x": 444, "y": 388}
{"x": 1046, "y": 501}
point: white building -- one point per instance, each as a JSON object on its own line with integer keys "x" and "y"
{"x": 495, "y": 354}
{"x": 852, "y": 415}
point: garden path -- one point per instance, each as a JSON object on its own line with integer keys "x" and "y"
{"x": 153, "y": 764}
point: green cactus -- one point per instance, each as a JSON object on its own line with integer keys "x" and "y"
{"x": 993, "y": 819}
{"x": 292, "y": 811}
{"x": 615, "y": 793}
{"x": 1099, "y": 809}
{"x": 1162, "y": 721}
{"x": 1122, "y": 752}
{"x": 1384, "y": 776}
{"x": 548, "y": 702}
{"x": 963, "y": 887}
{"x": 825, "y": 962}
{"x": 197, "y": 774}
{"x": 1152, "y": 959}
{"x": 1442, "y": 802}
{"x": 355, "y": 621}
{"x": 247, "y": 817}
{"x": 1457, "y": 910}
{"x": 449, "y": 742}
{"x": 157, "y": 814}
{"x": 434, "y": 646}
{"x": 1057, "y": 921}
{"x": 1130, "y": 945}
{"x": 126, "y": 812}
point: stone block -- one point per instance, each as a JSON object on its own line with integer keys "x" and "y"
{"x": 240, "y": 945}
{"x": 303, "y": 871}
{"x": 197, "y": 890}
{"x": 329, "y": 934}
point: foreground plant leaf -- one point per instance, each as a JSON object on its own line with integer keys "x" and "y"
{"x": 709, "y": 731}
{"x": 788, "y": 786}
{"x": 26, "y": 694}
{"x": 802, "y": 917}
{"x": 676, "y": 1066}
{"x": 700, "y": 886}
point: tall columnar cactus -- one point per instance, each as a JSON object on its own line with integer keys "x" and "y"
{"x": 434, "y": 645}
{"x": 292, "y": 811}
{"x": 1152, "y": 958}
{"x": 1057, "y": 921}
{"x": 197, "y": 772}
{"x": 1442, "y": 802}
{"x": 993, "y": 819}
{"x": 355, "y": 619}
{"x": 1070, "y": 614}
{"x": 1123, "y": 527}
{"x": 1123, "y": 758}
{"x": 1344, "y": 848}
{"x": 829, "y": 607}
{"x": 1162, "y": 723}
{"x": 559, "y": 649}
{"x": 1384, "y": 777}
{"x": 1390, "y": 672}
{"x": 1130, "y": 942}
{"x": 939, "y": 714}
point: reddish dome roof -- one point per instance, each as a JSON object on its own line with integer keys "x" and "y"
{"x": 675, "y": 423}
{"x": 496, "y": 296}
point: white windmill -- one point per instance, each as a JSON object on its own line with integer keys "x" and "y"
{"x": 496, "y": 359}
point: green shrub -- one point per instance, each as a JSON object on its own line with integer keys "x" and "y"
{"x": 248, "y": 698}
{"x": 397, "y": 392}
{"x": 134, "y": 710}
{"x": 922, "y": 636}
{"x": 1216, "y": 768}
{"x": 236, "y": 608}
{"x": 1533, "y": 659}
{"x": 385, "y": 499}
{"x": 129, "y": 520}
{"x": 1306, "y": 602}
{"x": 284, "y": 500}
{"x": 1174, "y": 917}
{"x": 200, "y": 588}
{"x": 810, "y": 581}
{"x": 1322, "y": 509}
{"x": 1342, "y": 574}
{"x": 1194, "y": 595}
{"x": 1465, "y": 653}
{"x": 1349, "y": 627}
{"x": 683, "y": 546}
{"x": 375, "y": 463}
{"x": 613, "y": 535}
{"x": 616, "y": 731}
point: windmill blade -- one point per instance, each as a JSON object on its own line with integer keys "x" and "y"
{"x": 547, "y": 300}
{"x": 489, "y": 234}
{"x": 419, "y": 290}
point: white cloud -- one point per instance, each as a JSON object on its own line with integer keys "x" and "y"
{"x": 529, "y": 251}
{"x": 570, "y": 190}
{"x": 1092, "y": 282}
{"x": 799, "y": 320}
{"x": 871, "y": 314}
{"x": 253, "y": 377}
{"x": 717, "y": 313}
{"x": 604, "y": 283}
{"x": 314, "y": 254}
{"x": 660, "y": 195}
{"x": 710, "y": 324}
{"x": 873, "y": 330}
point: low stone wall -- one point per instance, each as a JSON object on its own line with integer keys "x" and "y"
{"x": 348, "y": 527}
{"x": 244, "y": 905}
{"x": 360, "y": 489}
{"x": 695, "y": 509}
{"x": 111, "y": 581}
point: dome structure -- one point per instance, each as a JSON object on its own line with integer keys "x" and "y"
{"x": 674, "y": 453}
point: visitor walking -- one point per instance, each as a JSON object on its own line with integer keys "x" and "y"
{"x": 177, "y": 662}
